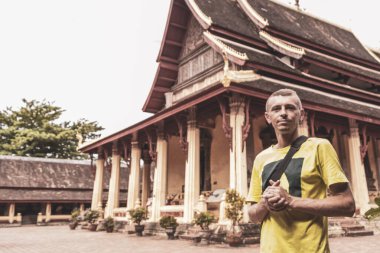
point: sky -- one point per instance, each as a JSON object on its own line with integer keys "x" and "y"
{"x": 97, "y": 58}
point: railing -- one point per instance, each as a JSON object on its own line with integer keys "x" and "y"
{"x": 175, "y": 210}
{"x": 120, "y": 214}
{"x": 11, "y": 218}
{"x": 50, "y": 218}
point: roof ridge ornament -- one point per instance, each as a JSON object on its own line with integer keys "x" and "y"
{"x": 204, "y": 20}
{"x": 236, "y": 76}
{"x": 253, "y": 14}
{"x": 281, "y": 46}
{"x": 224, "y": 48}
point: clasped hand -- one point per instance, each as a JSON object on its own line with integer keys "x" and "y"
{"x": 275, "y": 197}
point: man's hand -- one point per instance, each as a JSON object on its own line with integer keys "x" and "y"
{"x": 276, "y": 198}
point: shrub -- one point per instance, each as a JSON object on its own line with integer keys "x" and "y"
{"x": 204, "y": 219}
{"x": 168, "y": 221}
{"x": 234, "y": 206}
{"x": 138, "y": 214}
{"x": 91, "y": 216}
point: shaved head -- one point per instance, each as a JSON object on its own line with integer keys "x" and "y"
{"x": 284, "y": 93}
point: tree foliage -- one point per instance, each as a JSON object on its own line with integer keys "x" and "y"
{"x": 34, "y": 130}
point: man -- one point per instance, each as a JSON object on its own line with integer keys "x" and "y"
{"x": 294, "y": 209}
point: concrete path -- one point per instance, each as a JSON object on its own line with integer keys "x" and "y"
{"x": 59, "y": 239}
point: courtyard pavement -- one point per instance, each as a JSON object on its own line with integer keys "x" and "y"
{"x": 59, "y": 239}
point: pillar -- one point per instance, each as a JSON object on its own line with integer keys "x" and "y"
{"x": 98, "y": 183}
{"x": 134, "y": 177}
{"x": 192, "y": 180}
{"x": 11, "y": 212}
{"x": 238, "y": 156}
{"x": 303, "y": 127}
{"x": 359, "y": 183}
{"x": 160, "y": 177}
{"x": 48, "y": 212}
{"x": 146, "y": 178}
{"x": 114, "y": 185}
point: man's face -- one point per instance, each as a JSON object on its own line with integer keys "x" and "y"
{"x": 284, "y": 114}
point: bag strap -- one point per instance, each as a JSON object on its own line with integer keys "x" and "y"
{"x": 282, "y": 165}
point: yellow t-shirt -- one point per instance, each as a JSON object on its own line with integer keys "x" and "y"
{"x": 310, "y": 172}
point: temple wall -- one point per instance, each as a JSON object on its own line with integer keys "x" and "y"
{"x": 176, "y": 166}
{"x": 220, "y": 158}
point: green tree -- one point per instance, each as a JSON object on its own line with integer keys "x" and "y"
{"x": 34, "y": 130}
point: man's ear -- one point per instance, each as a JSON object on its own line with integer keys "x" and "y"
{"x": 267, "y": 118}
{"x": 302, "y": 116}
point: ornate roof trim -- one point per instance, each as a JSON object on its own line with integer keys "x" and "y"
{"x": 253, "y": 15}
{"x": 281, "y": 46}
{"x": 203, "y": 19}
{"x": 237, "y": 57}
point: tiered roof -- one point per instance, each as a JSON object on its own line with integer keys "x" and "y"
{"x": 276, "y": 42}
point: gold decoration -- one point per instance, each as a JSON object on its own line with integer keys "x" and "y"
{"x": 281, "y": 46}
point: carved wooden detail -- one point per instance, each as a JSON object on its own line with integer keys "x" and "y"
{"x": 152, "y": 150}
{"x": 247, "y": 125}
{"x": 193, "y": 39}
{"x": 182, "y": 140}
{"x": 125, "y": 153}
{"x": 225, "y": 125}
{"x": 364, "y": 144}
{"x": 199, "y": 63}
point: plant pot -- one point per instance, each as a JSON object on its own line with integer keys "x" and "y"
{"x": 139, "y": 229}
{"x": 205, "y": 236}
{"x": 92, "y": 227}
{"x": 234, "y": 240}
{"x": 109, "y": 229}
{"x": 170, "y": 231}
{"x": 73, "y": 225}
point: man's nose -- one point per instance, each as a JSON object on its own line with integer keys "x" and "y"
{"x": 283, "y": 112}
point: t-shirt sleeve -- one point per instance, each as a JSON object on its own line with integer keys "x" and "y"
{"x": 329, "y": 165}
{"x": 254, "y": 194}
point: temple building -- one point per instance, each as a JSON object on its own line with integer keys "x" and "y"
{"x": 218, "y": 63}
{"x": 41, "y": 190}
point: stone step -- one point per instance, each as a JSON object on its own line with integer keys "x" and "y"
{"x": 357, "y": 227}
{"x": 359, "y": 233}
{"x": 252, "y": 240}
{"x": 342, "y": 221}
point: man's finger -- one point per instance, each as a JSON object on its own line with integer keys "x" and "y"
{"x": 273, "y": 183}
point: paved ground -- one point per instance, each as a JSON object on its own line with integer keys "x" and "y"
{"x": 59, "y": 239}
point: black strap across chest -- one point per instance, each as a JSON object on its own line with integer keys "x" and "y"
{"x": 283, "y": 164}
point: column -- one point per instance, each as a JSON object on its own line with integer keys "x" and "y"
{"x": 145, "y": 178}
{"x": 192, "y": 181}
{"x": 134, "y": 177}
{"x": 48, "y": 212}
{"x": 98, "y": 183}
{"x": 238, "y": 156}
{"x": 303, "y": 127}
{"x": 359, "y": 183}
{"x": 11, "y": 213}
{"x": 160, "y": 177}
{"x": 114, "y": 185}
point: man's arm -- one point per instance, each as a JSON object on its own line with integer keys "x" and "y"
{"x": 258, "y": 211}
{"x": 339, "y": 203}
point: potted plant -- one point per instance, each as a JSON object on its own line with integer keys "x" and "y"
{"x": 204, "y": 219}
{"x": 234, "y": 212}
{"x": 91, "y": 216}
{"x": 169, "y": 223}
{"x": 374, "y": 212}
{"x": 74, "y": 220}
{"x": 137, "y": 216}
{"x": 109, "y": 224}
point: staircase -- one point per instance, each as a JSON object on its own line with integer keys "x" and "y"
{"x": 344, "y": 226}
